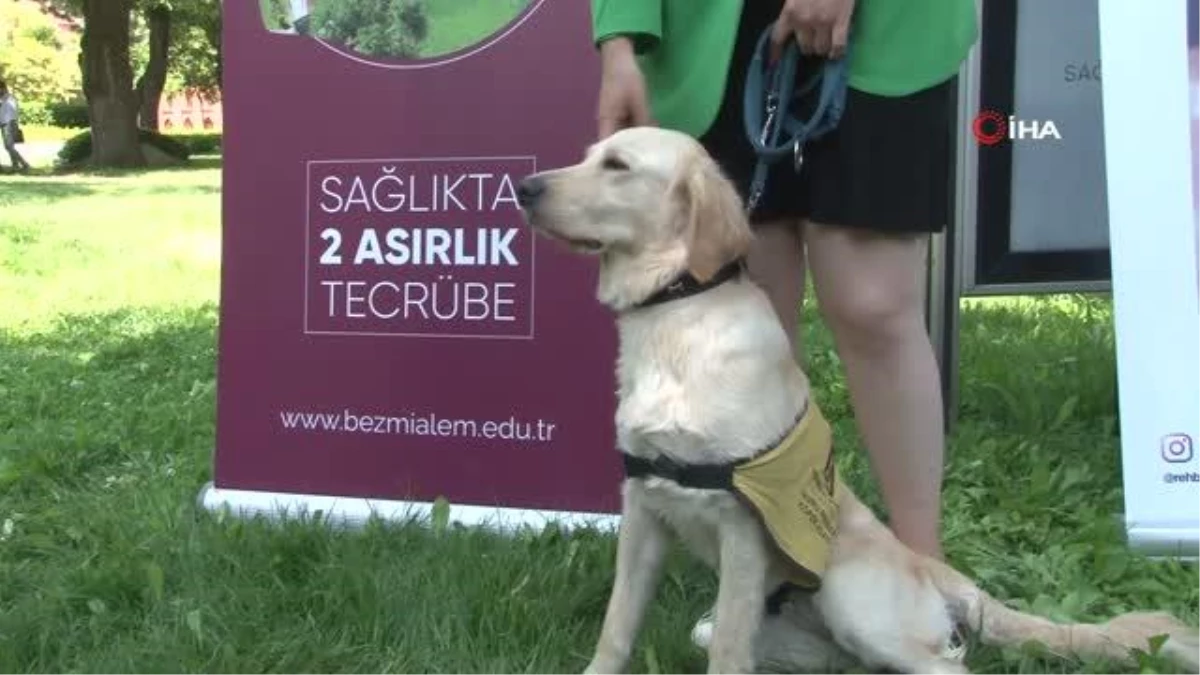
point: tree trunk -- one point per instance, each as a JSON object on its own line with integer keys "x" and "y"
{"x": 108, "y": 84}
{"x": 150, "y": 84}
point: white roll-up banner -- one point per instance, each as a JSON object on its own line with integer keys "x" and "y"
{"x": 1149, "y": 56}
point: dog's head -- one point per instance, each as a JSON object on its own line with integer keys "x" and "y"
{"x": 649, "y": 201}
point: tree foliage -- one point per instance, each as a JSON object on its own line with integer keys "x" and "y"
{"x": 393, "y": 28}
{"x": 194, "y": 61}
{"x": 36, "y": 59}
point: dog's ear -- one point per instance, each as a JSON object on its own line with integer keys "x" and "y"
{"x": 715, "y": 226}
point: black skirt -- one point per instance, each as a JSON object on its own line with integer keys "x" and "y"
{"x": 888, "y": 166}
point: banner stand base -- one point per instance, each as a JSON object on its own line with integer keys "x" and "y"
{"x": 1175, "y": 543}
{"x": 355, "y": 511}
{"x": 1153, "y": 542}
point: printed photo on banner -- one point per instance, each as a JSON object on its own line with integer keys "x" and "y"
{"x": 391, "y": 31}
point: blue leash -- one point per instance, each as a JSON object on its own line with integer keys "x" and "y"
{"x": 769, "y": 86}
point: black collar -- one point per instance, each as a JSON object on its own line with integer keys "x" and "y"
{"x": 686, "y": 285}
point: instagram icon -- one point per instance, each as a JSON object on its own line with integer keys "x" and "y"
{"x": 1177, "y": 448}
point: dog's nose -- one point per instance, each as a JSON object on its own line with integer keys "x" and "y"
{"x": 529, "y": 189}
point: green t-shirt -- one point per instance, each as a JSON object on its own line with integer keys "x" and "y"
{"x": 684, "y": 46}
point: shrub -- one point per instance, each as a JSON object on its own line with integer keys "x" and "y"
{"x": 78, "y": 148}
{"x": 61, "y": 115}
{"x": 35, "y": 114}
{"x": 70, "y": 115}
{"x": 200, "y": 144}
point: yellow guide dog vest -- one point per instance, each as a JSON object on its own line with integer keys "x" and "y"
{"x": 792, "y": 487}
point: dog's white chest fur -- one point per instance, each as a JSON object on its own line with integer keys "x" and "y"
{"x": 693, "y": 381}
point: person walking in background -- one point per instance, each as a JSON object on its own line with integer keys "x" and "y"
{"x": 10, "y": 127}
{"x": 859, "y": 212}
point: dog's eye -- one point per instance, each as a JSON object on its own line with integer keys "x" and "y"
{"x": 614, "y": 164}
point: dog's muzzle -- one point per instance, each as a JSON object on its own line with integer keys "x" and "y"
{"x": 529, "y": 190}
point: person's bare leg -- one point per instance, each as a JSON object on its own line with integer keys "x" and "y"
{"x": 870, "y": 290}
{"x": 776, "y": 262}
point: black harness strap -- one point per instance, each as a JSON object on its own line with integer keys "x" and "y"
{"x": 699, "y": 476}
{"x": 708, "y": 477}
{"x": 779, "y": 596}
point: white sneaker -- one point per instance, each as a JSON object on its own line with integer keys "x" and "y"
{"x": 703, "y": 630}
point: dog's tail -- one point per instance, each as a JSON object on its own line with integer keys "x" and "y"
{"x": 999, "y": 625}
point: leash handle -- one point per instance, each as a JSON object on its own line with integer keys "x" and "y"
{"x": 769, "y": 94}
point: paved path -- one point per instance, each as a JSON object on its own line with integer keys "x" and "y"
{"x": 41, "y": 154}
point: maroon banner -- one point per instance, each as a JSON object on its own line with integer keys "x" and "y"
{"x": 390, "y": 329}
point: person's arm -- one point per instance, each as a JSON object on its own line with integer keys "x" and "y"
{"x": 621, "y": 29}
{"x": 640, "y": 21}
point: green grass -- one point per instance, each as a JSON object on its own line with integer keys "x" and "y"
{"x": 455, "y": 24}
{"x": 107, "y": 349}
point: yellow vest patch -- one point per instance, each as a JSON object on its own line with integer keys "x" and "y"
{"x": 793, "y": 488}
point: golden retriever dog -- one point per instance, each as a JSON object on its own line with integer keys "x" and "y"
{"x": 707, "y": 377}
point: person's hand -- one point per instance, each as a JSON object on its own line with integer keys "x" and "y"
{"x": 623, "y": 101}
{"x": 821, "y": 26}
